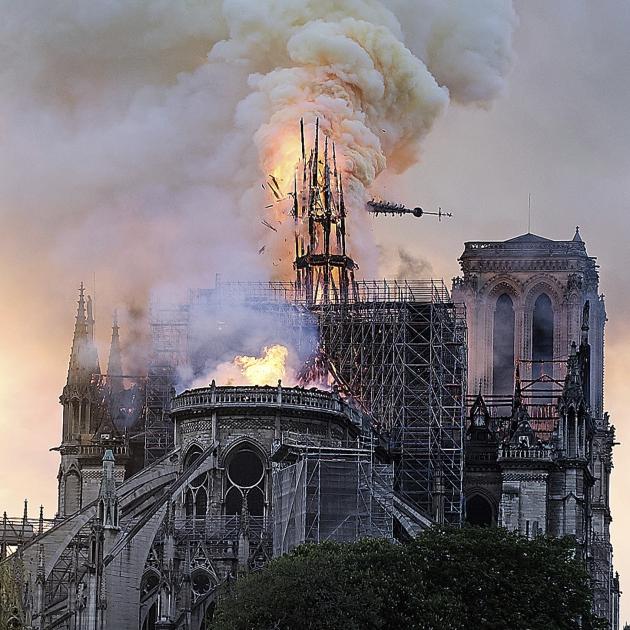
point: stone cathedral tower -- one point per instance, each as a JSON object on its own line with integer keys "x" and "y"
{"x": 524, "y": 299}
{"x": 88, "y": 421}
{"x": 539, "y": 447}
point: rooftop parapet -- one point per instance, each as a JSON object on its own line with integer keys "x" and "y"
{"x": 287, "y": 398}
{"x": 537, "y": 453}
{"x": 528, "y": 245}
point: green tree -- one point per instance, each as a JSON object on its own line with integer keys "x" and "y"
{"x": 455, "y": 579}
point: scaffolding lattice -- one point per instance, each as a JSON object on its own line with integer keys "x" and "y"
{"x": 333, "y": 491}
{"x": 399, "y": 349}
{"x": 169, "y": 334}
{"x": 403, "y": 354}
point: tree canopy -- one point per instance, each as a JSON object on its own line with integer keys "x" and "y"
{"x": 445, "y": 579}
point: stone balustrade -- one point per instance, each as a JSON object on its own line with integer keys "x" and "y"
{"x": 256, "y": 396}
{"x": 508, "y": 451}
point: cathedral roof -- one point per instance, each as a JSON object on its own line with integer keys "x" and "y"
{"x": 528, "y": 238}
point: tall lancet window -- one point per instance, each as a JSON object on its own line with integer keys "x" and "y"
{"x": 503, "y": 347}
{"x": 542, "y": 343}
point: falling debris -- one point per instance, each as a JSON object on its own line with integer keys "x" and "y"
{"x": 271, "y": 227}
{"x": 274, "y": 187}
{"x": 262, "y": 249}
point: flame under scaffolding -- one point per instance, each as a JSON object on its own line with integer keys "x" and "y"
{"x": 397, "y": 348}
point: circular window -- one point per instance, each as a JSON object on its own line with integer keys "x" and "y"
{"x": 201, "y": 582}
{"x": 245, "y": 469}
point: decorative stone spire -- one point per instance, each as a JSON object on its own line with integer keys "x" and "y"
{"x": 572, "y": 392}
{"x": 41, "y": 568}
{"x": 114, "y": 369}
{"x": 83, "y": 356}
{"x": 518, "y": 392}
{"x": 107, "y": 498}
{"x": 114, "y": 366}
{"x": 576, "y": 237}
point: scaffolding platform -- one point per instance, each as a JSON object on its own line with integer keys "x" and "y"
{"x": 327, "y": 490}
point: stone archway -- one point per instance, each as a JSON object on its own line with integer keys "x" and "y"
{"x": 479, "y": 511}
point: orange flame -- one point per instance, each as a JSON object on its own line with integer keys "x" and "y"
{"x": 265, "y": 370}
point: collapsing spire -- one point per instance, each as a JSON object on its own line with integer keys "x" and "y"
{"x": 324, "y": 271}
{"x": 83, "y": 356}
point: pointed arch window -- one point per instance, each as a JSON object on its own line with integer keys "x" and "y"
{"x": 193, "y": 454}
{"x": 503, "y": 346}
{"x": 72, "y": 493}
{"x": 151, "y": 618}
{"x": 201, "y": 503}
{"x": 572, "y": 434}
{"x": 542, "y": 341}
{"x": 479, "y": 511}
{"x": 196, "y": 497}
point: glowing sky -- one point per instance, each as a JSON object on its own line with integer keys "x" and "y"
{"x": 561, "y": 132}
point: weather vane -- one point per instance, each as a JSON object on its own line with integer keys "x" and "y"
{"x": 387, "y": 208}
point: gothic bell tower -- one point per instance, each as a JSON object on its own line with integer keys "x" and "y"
{"x": 536, "y": 356}
{"x": 524, "y": 300}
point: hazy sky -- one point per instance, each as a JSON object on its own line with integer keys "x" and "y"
{"x": 560, "y": 132}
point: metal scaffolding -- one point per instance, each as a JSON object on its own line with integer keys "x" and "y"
{"x": 329, "y": 490}
{"x": 397, "y": 348}
{"x": 400, "y": 348}
{"x": 169, "y": 336}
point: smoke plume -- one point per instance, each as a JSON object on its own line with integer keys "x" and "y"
{"x": 136, "y": 135}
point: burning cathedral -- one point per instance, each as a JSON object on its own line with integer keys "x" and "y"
{"x": 376, "y": 409}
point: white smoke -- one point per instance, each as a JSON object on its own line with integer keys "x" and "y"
{"x": 135, "y": 135}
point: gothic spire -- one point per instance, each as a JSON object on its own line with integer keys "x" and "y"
{"x": 107, "y": 498}
{"x": 518, "y": 393}
{"x": 114, "y": 365}
{"x": 83, "y": 356}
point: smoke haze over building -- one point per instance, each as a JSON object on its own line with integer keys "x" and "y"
{"x": 134, "y": 138}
